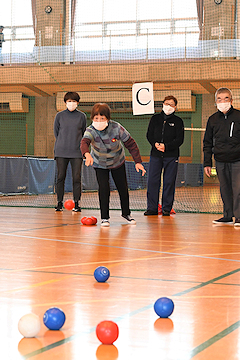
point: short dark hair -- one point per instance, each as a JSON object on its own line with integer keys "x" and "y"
{"x": 1, "y": 27}
{"x": 101, "y": 109}
{"x": 171, "y": 97}
{"x": 71, "y": 96}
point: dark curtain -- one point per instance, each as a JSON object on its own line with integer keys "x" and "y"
{"x": 200, "y": 16}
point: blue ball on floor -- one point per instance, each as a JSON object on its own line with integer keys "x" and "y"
{"x": 164, "y": 307}
{"x": 101, "y": 274}
{"x": 54, "y": 318}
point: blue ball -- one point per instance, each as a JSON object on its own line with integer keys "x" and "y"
{"x": 54, "y": 318}
{"x": 101, "y": 274}
{"x": 164, "y": 307}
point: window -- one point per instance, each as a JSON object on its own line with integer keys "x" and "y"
{"x": 135, "y": 19}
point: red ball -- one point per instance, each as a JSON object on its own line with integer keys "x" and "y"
{"x": 107, "y": 332}
{"x": 94, "y": 220}
{"x": 83, "y": 220}
{"x": 69, "y": 204}
{"x": 89, "y": 221}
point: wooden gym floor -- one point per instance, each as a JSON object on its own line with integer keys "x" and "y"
{"x": 48, "y": 259}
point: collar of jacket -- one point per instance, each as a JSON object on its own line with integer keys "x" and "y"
{"x": 166, "y": 117}
{"x": 228, "y": 113}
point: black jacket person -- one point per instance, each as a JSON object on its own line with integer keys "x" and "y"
{"x": 222, "y": 139}
{"x": 165, "y": 134}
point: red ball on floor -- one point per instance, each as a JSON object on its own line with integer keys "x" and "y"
{"x": 107, "y": 332}
{"x": 89, "y": 220}
{"x": 69, "y": 204}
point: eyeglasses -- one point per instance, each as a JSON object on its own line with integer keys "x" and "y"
{"x": 226, "y": 99}
{"x": 167, "y": 103}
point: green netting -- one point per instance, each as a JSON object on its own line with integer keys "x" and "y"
{"x": 182, "y": 48}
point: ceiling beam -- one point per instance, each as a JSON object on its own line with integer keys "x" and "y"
{"x": 36, "y": 90}
{"x": 208, "y": 86}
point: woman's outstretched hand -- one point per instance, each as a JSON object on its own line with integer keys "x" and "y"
{"x": 138, "y": 167}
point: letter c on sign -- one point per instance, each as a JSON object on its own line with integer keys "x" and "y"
{"x": 137, "y": 96}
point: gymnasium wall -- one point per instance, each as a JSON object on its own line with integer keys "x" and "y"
{"x": 37, "y": 125}
{"x": 17, "y": 131}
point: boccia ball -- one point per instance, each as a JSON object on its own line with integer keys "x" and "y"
{"x": 54, "y": 318}
{"x": 94, "y": 220}
{"x": 83, "y": 219}
{"x": 163, "y": 307}
{"x": 89, "y": 221}
{"x": 69, "y": 204}
{"x": 107, "y": 332}
{"x": 29, "y": 325}
{"x": 101, "y": 274}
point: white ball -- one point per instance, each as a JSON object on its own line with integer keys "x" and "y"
{"x": 29, "y": 325}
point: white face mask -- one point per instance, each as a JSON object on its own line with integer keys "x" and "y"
{"x": 71, "y": 105}
{"x": 100, "y": 125}
{"x": 224, "y": 107}
{"x": 168, "y": 110}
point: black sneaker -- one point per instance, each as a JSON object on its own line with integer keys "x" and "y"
{"x": 76, "y": 207}
{"x": 165, "y": 213}
{"x": 237, "y": 222}
{"x": 150, "y": 212}
{"x": 224, "y": 221}
{"x": 129, "y": 219}
{"x": 59, "y": 206}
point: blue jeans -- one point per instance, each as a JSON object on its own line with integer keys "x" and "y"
{"x": 156, "y": 166}
{"x": 229, "y": 179}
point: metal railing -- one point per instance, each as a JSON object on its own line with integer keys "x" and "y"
{"x": 158, "y": 39}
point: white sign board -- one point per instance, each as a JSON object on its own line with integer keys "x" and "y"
{"x": 142, "y": 98}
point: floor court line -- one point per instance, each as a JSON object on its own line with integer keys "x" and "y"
{"x": 193, "y": 353}
{"x": 214, "y": 339}
{"x": 90, "y": 301}
{"x": 130, "y": 278}
{"x": 41, "y": 228}
{"x": 114, "y": 276}
{"x": 208, "y": 282}
{"x": 163, "y": 241}
{"x": 232, "y": 253}
{"x": 119, "y": 247}
{"x": 87, "y": 272}
{"x": 118, "y": 262}
{"x": 69, "y": 276}
{"x": 227, "y": 284}
{"x": 34, "y": 285}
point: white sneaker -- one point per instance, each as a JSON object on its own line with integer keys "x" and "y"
{"x": 105, "y": 222}
{"x": 129, "y": 219}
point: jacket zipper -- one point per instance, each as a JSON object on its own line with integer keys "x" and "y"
{"x": 231, "y": 129}
{"x": 163, "y": 127}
